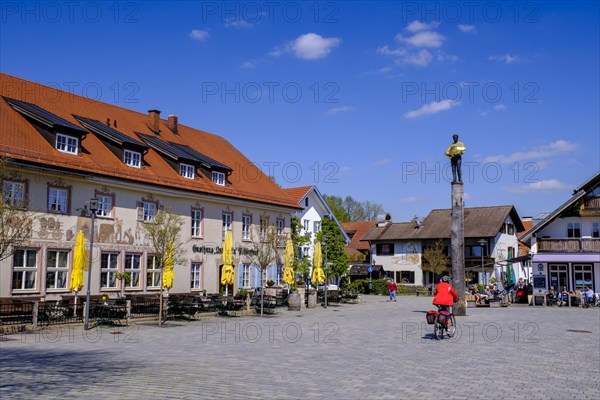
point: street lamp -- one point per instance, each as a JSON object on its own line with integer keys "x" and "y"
{"x": 482, "y": 242}
{"x": 93, "y": 209}
{"x": 325, "y": 238}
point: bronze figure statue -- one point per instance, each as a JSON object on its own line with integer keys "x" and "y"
{"x": 454, "y": 152}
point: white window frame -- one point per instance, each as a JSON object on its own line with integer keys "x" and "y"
{"x": 263, "y": 226}
{"x": 58, "y": 200}
{"x": 13, "y": 193}
{"x": 146, "y": 210}
{"x": 306, "y": 225}
{"x": 218, "y": 178}
{"x": 25, "y": 270}
{"x": 316, "y": 226}
{"x": 197, "y": 216}
{"x": 280, "y": 225}
{"x": 572, "y": 227}
{"x": 133, "y": 266}
{"x": 153, "y": 272}
{"x": 57, "y": 275}
{"x": 105, "y": 205}
{"x": 108, "y": 279}
{"x": 67, "y": 144}
{"x": 246, "y": 275}
{"x": 246, "y": 227}
{"x": 132, "y": 158}
{"x": 187, "y": 171}
{"x": 196, "y": 276}
{"x": 227, "y": 222}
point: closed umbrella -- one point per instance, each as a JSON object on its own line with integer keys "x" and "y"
{"x": 227, "y": 271}
{"x": 318, "y": 276}
{"x": 78, "y": 261}
{"x": 79, "y": 257}
{"x": 510, "y": 275}
{"x": 288, "y": 273}
{"x": 168, "y": 274}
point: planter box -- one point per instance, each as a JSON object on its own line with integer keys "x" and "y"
{"x": 470, "y": 303}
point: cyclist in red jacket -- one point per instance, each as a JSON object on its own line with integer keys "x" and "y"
{"x": 445, "y": 295}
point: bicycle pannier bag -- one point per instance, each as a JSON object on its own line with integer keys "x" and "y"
{"x": 431, "y": 315}
{"x": 442, "y": 317}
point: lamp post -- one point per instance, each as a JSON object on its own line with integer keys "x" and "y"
{"x": 93, "y": 209}
{"x": 326, "y": 238}
{"x": 482, "y": 242}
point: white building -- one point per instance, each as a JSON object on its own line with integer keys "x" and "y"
{"x": 566, "y": 243}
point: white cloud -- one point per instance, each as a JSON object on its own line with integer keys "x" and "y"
{"x": 543, "y": 185}
{"x": 545, "y": 151}
{"x": 383, "y": 161}
{"x": 467, "y": 28}
{"x": 237, "y": 23}
{"x": 312, "y": 46}
{"x": 431, "y": 108}
{"x": 499, "y": 106}
{"x": 338, "y": 110}
{"x": 249, "y": 64}
{"x": 423, "y": 39}
{"x": 385, "y": 50}
{"x": 467, "y": 196}
{"x": 417, "y": 26}
{"x": 199, "y": 35}
{"x": 345, "y": 170}
{"x": 484, "y": 113}
{"x": 421, "y": 59}
{"x": 507, "y": 58}
{"x": 384, "y": 70}
{"x": 410, "y": 199}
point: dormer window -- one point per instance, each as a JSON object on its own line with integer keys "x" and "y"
{"x": 187, "y": 170}
{"x": 133, "y": 159}
{"x": 67, "y": 144}
{"x": 218, "y": 178}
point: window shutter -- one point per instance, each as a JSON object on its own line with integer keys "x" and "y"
{"x": 240, "y": 271}
{"x": 140, "y": 210}
{"x": 255, "y": 276}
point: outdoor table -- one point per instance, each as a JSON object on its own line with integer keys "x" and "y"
{"x": 109, "y": 313}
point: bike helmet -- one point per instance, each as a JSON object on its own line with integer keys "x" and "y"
{"x": 445, "y": 278}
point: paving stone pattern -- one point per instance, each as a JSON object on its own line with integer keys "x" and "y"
{"x": 373, "y": 350}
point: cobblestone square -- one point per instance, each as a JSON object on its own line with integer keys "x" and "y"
{"x": 373, "y": 350}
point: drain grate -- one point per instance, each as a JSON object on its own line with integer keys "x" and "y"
{"x": 578, "y": 331}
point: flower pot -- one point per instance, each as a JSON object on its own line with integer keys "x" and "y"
{"x": 312, "y": 299}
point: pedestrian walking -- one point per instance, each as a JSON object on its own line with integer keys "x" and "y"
{"x": 392, "y": 287}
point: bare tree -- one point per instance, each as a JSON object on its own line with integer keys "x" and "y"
{"x": 16, "y": 221}
{"x": 163, "y": 232}
{"x": 263, "y": 252}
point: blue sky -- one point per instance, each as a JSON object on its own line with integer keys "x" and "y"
{"x": 358, "y": 98}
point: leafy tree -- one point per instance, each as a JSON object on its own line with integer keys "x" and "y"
{"x": 336, "y": 204}
{"x": 163, "y": 232}
{"x": 16, "y": 221}
{"x": 333, "y": 248}
{"x": 264, "y": 251}
{"x": 434, "y": 259}
{"x": 301, "y": 264}
{"x": 349, "y": 209}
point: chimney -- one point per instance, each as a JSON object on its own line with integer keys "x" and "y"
{"x": 172, "y": 123}
{"x": 154, "y": 121}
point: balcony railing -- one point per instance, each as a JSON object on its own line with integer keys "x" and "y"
{"x": 569, "y": 245}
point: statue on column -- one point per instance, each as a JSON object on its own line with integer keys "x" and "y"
{"x": 455, "y": 152}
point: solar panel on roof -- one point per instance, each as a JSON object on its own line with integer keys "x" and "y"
{"x": 166, "y": 149}
{"x": 41, "y": 115}
{"x": 202, "y": 157}
{"x": 108, "y": 132}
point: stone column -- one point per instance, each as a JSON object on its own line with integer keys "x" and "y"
{"x": 457, "y": 244}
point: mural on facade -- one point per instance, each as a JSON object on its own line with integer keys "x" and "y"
{"x": 409, "y": 254}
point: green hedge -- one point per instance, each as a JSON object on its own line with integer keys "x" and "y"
{"x": 380, "y": 287}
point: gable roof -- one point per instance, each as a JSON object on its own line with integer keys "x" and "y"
{"x": 479, "y": 222}
{"x": 20, "y": 140}
{"x": 578, "y": 193}
{"x": 298, "y": 193}
{"x": 356, "y": 231}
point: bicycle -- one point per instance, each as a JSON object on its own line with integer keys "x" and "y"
{"x": 445, "y": 323}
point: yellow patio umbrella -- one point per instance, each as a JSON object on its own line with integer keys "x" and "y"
{"x": 227, "y": 271}
{"x": 78, "y": 264}
{"x": 168, "y": 274}
{"x": 318, "y": 276}
{"x": 288, "y": 273}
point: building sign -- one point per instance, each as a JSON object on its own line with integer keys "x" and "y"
{"x": 213, "y": 249}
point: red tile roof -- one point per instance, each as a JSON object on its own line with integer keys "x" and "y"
{"x": 297, "y": 193}
{"x": 359, "y": 229}
{"x": 19, "y": 139}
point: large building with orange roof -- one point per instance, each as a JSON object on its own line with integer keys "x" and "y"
{"x": 64, "y": 150}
